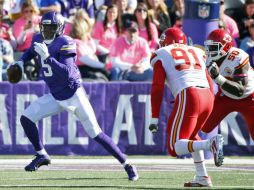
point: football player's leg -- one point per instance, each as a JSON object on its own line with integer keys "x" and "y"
{"x": 176, "y": 124}
{"x": 250, "y": 123}
{"x": 42, "y": 107}
{"x": 180, "y": 125}
{"x": 172, "y": 126}
{"x": 186, "y": 123}
{"x": 85, "y": 113}
{"x": 205, "y": 108}
{"x": 222, "y": 107}
{"x": 215, "y": 144}
{"x": 87, "y": 117}
{"x": 247, "y": 110}
{"x": 201, "y": 179}
{"x": 180, "y": 134}
{"x": 206, "y": 102}
{"x": 203, "y": 101}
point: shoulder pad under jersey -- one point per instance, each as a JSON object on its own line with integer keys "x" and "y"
{"x": 66, "y": 44}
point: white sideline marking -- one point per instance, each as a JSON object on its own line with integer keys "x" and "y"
{"x": 133, "y": 161}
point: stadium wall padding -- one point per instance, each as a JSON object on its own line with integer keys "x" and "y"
{"x": 123, "y": 112}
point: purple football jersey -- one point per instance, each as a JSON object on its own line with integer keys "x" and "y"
{"x": 59, "y": 70}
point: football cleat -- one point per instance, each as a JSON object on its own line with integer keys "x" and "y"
{"x": 199, "y": 181}
{"x": 37, "y": 162}
{"x": 216, "y": 146}
{"x": 132, "y": 172}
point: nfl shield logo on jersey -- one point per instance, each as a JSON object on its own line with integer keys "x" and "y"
{"x": 203, "y": 11}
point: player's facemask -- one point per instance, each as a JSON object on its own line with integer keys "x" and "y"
{"x": 214, "y": 50}
{"x": 49, "y": 32}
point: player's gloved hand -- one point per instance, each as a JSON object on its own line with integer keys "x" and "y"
{"x": 213, "y": 70}
{"x": 153, "y": 127}
{"x": 42, "y": 50}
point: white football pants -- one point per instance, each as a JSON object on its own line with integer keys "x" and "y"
{"x": 78, "y": 104}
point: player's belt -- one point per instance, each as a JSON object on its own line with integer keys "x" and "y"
{"x": 200, "y": 86}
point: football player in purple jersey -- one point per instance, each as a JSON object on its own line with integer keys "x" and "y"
{"x": 57, "y": 53}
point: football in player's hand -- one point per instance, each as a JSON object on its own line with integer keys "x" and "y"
{"x": 14, "y": 73}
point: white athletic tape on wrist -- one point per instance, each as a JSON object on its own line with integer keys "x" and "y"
{"x": 220, "y": 80}
{"x": 154, "y": 121}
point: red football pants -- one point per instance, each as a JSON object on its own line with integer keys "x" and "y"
{"x": 191, "y": 109}
{"x": 224, "y": 105}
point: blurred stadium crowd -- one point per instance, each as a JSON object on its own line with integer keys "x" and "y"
{"x": 114, "y": 38}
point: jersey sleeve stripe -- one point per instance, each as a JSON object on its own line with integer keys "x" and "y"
{"x": 68, "y": 47}
{"x": 243, "y": 63}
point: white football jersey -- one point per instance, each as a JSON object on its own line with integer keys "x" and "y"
{"x": 184, "y": 66}
{"x": 237, "y": 58}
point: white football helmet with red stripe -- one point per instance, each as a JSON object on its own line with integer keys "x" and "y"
{"x": 218, "y": 44}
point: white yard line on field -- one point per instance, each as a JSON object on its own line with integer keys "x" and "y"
{"x": 139, "y": 161}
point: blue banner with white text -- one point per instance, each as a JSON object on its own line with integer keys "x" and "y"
{"x": 123, "y": 112}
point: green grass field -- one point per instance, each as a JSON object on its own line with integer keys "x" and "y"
{"x": 92, "y": 176}
{"x": 117, "y": 180}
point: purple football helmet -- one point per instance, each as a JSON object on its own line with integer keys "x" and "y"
{"x": 51, "y": 26}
